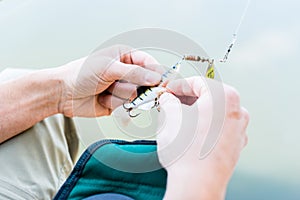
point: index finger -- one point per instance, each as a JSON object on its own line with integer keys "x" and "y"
{"x": 140, "y": 58}
{"x": 128, "y": 55}
{"x": 132, "y": 73}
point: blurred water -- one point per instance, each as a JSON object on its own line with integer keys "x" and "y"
{"x": 263, "y": 66}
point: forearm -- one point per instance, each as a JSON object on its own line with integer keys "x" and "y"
{"x": 28, "y": 100}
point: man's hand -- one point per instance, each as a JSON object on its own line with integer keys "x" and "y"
{"x": 88, "y": 87}
{"x": 189, "y": 176}
{"x": 95, "y": 85}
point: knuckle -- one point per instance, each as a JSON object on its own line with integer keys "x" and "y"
{"x": 232, "y": 94}
{"x": 245, "y": 114}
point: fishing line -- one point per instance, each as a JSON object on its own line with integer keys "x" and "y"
{"x": 234, "y": 36}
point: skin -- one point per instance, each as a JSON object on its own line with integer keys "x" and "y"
{"x": 205, "y": 178}
{"x": 75, "y": 89}
{"x": 95, "y": 86}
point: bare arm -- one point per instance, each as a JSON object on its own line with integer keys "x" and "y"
{"x": 28, "y": 100}
{"x": 75, "y": 89}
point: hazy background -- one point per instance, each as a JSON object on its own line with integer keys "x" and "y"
{"x": 263, "y": 66}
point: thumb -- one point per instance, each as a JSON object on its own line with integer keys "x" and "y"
{"x": 178, "y": 124}
{"x": 169, "y": 119}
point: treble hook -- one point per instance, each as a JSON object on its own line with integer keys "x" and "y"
{"x": 130, "y": 115}
{"x": 128, "y": 109}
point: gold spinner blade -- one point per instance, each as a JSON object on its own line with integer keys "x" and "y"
{"x": 210, "y": 71}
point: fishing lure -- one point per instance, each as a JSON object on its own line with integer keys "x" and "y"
{"x": 145, "y": 101}
{"x": 148, "y": 97}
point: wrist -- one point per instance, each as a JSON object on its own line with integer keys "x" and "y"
{"x": 196, "y": 183}
{"x": 61, "y": 74}
{"x": 49, "y": 85}
{"x": 65, "y": 75}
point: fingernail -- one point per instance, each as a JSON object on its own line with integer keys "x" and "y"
{"x": 152, "y": 78}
